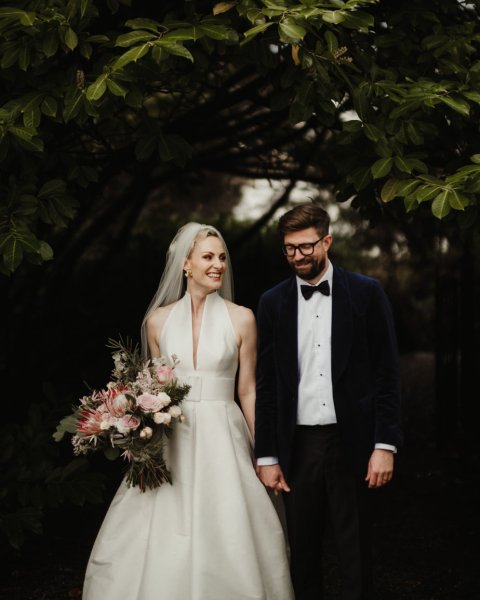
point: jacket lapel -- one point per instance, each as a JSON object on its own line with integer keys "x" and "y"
{"x": 342, "y": 323}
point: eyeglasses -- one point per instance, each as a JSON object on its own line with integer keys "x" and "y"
{"x": 304, "y": 249}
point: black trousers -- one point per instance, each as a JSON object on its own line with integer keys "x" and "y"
{"x": 323, "y": 487}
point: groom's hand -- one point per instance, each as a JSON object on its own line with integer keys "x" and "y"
{"x": 380, "y": 468}
{"x": 272, "y": 477}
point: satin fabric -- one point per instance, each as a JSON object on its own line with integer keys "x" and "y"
{"x": 214, "y": 534}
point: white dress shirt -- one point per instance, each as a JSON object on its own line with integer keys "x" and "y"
{"x": 315, "y": 389}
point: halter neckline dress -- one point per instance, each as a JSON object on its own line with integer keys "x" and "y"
{"x": 214, "y": 533}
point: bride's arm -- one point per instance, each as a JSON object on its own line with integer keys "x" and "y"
{"x": 247, "y": 330}
{"x": 155, "y": 323}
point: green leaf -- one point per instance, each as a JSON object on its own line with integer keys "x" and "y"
{"x": 426, "y": 192}
{"x": 457, "y": 104}
{"x": 218, "y": 32}
{"x": 176, "y": 49}
{"x": 46, "y": 251}
{"x": 50, "y": 43}
{"x": 116, "y": 89}
{"x": 131, "y": 55}
{"x": 382, "y": 167}
{"x": 441, "y": 206}
{"x": 73, "y": 104}
{"x": 24, "y": 58}
{"x": 372, "y": 132}
{"x": 182, "y": 35}
{"x": 49, "y": 106}
{"x": 410, "y": 203}
{"x": 360, "y": 101}
{"x": 250, "y": 33}
{"x": 332, "y": 41}
{"x": 291, "y": 31}
{"x": 389, "y": 189}
{"x": 456, "y": 200}
{"x": 84, "y": 6}
{"x": 406, "y": 187}
{"x": 403, "y": 164}
{"x": 475, "y": 158}
{"x": 71, "y": 39}
{"x": 12, "y": 253}
{"x": 414, "y": 134}
{"x": 360, "y": 178}
{"x": 139, "y": 23}
{"x": 134, "y": 37}
{"x": 26, "y": 18}
{"x": 473, "y": 96}
{"x": 333, "y": 16}
{"x": 96, "y": 90}
{"x": 52, "y": 187}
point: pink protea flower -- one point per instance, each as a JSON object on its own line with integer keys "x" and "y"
{"x": 117, "y": 403}
{"x": 90, "y": 422}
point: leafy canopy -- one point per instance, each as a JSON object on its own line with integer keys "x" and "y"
{"x": 380, "y": 98}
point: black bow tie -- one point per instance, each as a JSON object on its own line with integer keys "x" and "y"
{"x": 307, "y": 290}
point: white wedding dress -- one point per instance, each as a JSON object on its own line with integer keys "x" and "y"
{"x": 214, "y": 534}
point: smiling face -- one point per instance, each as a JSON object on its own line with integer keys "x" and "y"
{"x": 207, "y": 263}
{"x": 309, "y": 268}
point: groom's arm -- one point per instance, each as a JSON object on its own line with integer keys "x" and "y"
{"x": 383, "y": 345}
{"x": 268, "y": 469}
{"x": 265, "y": 404}
{"x": 385, "y": 369}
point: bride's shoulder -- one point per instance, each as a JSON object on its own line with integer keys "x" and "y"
{"x": 240, "y": 314}
{"x": 157, "y": 317}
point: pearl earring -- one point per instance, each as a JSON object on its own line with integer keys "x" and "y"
{"x": 188, "y": 273}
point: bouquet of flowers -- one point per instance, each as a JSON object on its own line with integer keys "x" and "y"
{"x": 131, "y": 416}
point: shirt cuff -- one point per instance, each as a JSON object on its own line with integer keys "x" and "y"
{"x": 267, "y": 461}
{"x": 386, "y": 447}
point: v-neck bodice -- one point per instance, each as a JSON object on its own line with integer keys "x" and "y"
{"x": 217, "y": 354}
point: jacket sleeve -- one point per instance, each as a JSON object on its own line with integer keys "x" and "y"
{"x": 266, "y": 400}
{"x": 385, "y": 368}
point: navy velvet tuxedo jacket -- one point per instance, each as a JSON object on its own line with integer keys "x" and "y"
{"x": 364, "y": 369}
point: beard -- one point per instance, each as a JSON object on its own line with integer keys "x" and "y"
{"x": 309, "y": 267}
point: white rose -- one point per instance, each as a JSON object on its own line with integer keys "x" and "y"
{"x": 146, "y": 433}
{"x": 164, "y": 398}
{"x": 175, "y": 411}
{"x": 162, "y": 418}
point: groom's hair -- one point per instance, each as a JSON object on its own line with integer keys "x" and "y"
{"x": 304, "y": 216}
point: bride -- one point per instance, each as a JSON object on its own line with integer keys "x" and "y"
{"x": 214, "y": 534}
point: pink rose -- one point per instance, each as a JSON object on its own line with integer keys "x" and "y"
{"x": 162, "y": 418}
{"x": 127, "y": 423}
{"x": 164, "y": 374}
{"x": 149, "y": 403}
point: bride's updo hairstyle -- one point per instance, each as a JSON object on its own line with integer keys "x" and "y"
{"x": 172, "y": 284}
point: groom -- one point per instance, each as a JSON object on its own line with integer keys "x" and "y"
{"x": 327, "y": 409}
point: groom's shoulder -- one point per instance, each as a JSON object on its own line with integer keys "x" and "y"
{"x": 277, "y": 290}
{"x": 356, "y": 279}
